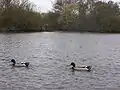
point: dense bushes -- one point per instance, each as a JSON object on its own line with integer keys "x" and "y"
{"x": 18, "y": 14}
{"x": 90, "y": 15}
{"x": 86, "y": 15}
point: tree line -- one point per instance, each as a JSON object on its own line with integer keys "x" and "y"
{"x": 18, "y": 15}
{"x": 82, "y": 16}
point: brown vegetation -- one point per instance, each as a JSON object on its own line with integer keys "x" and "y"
{"x": 86, "y": 15}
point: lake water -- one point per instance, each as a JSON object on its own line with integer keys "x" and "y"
{"x": 50, "y": 52}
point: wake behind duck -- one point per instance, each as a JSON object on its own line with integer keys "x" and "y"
{"x": 20, "y": 64}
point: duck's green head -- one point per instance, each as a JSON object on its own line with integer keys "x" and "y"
{"x": 13, "y": 61}
{"x": 72, "y": 64}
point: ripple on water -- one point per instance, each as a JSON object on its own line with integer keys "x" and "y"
{"x": 49, "y": 53}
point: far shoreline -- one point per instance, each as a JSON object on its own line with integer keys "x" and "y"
{"x": 60, "y": 31}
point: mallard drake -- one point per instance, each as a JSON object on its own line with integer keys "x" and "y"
{"x": 87, "y": 68}
{"x": 21, "y": 64}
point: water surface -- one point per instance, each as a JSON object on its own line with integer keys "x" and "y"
{"x": 50, "y": 52}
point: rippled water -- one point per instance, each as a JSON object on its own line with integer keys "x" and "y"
{"x": 49, "y": 53}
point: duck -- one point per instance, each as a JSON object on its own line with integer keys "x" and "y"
{"x": 21, "y": 64}
{"x": 85, "y": 68}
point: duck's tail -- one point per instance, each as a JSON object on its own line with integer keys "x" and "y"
{"x": 89, "y": 68}
{"x": 27, "y": 64}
